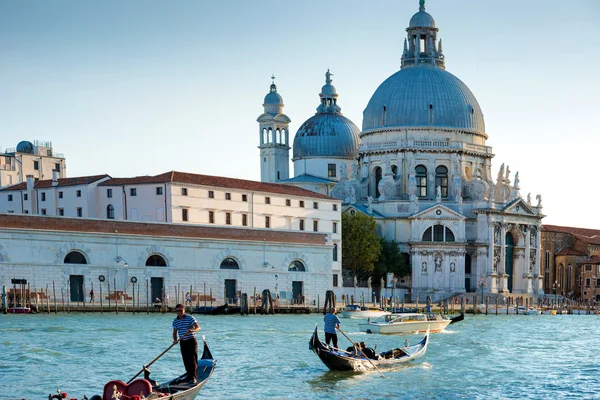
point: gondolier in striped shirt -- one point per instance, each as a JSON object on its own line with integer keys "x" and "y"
{"x": 186, "y": 327}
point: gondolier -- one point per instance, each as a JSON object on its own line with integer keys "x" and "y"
{"x": 186, "y": 327}
{"x": 332, "y": 322}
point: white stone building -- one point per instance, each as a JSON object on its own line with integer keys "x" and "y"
{"x": 36, "y": 159}
{"x": 421, "y": 163}
{"x": 73, "y": 255}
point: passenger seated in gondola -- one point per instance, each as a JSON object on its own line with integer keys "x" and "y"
{"x": 367, "y": 351}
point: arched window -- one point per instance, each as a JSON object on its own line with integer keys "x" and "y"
{"x": 229, "y": 263}
{"x": 296, "y": 266}
{"x": 277, "y": 136}
{"x": 438, "y": 233}
{"x": 377, "y": 179}
{"x": 110, "y": 212}
{"x": 75, "y": 257}
{"x": 421, "y": 173}
{"x": 270, "y": 136}
{"x": 264, "y": 135}
{"x": 156, "y": 260}
{"x": 283, "y": 137}
{"x": 441, "y": 179}
{"x": 335, "y": 251}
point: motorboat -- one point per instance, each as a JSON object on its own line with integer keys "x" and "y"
{"x": 356, "y": 311}
{"x": 406, "y": 323}
{"x": 340, "y": 360}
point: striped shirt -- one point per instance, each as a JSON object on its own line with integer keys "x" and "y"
{"x": 182, "y": 325}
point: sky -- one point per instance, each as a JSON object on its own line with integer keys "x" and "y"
{"x": 137, "y": 87}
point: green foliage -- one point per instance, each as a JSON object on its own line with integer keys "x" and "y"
{"x": 390, "y": 260}
{"x": 360, "y": 245}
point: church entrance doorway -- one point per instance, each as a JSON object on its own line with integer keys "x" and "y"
{"x": 508, "y": 263}
{"x": 297, "y": 292}
{"x": 230, "y": 296}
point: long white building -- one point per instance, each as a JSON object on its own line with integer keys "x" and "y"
{"x": 73, "y": 255}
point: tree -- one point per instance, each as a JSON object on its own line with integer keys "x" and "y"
{"x": 360, "y": 245}
{"x": 390, "y": 260}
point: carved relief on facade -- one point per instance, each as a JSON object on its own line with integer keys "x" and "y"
{"x": 424, "y": 267}
{"x": 438, "y": 262}
{"x": 533, "y": 238}
{"x": 496, "y": 260}
{"x": 496, "y": 233}
{"x": 532, "y": 257}
{"x": 452, "y": 267}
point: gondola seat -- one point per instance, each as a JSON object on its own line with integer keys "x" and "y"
{"x": 111, "y": 386}
{"x": 139, "y": 387}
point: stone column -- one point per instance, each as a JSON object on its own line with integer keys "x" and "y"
{"x": 539, "y": 284}
{"x": 502, "y": 266}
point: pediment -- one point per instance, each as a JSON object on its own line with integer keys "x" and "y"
{"x": 363, "y": 209}
{"x": 438, "y": 211}
{"x": 519, "y": 207}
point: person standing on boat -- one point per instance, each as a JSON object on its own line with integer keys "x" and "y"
{"x": 186, "y": 327}
{"x": 332, "y": 322}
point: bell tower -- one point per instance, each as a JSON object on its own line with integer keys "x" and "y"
{"x": 274, "y": 138}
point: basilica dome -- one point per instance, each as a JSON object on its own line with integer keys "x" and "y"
{"x": 328, "y": 133}
{"x": 423, "y": 96}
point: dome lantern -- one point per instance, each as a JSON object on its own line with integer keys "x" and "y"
{"x": 328, "y": 133}
{"x": 421, "y": 40}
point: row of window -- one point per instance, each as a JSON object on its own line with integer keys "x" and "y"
{"x": 36, "y": 165}
{"x": 441, "y": 179}
{"x": 43, "y": 196}
{"x": 157, "y": 260}
{"x": 211, "y": 195}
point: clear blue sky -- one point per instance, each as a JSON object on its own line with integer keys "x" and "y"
{"x": 143, "y": 87}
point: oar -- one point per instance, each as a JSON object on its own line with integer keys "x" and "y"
{"x": 358, "y": 347}
{"x": 152, "y": 362}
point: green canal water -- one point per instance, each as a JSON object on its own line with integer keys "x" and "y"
{"x": 482, "y": 357}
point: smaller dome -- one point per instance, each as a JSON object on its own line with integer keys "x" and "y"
{"x": 273, "y": 97}
{"x": 422, "y": 19}
{"x": 328, "y": 90}
{"x": 25, "y": 147}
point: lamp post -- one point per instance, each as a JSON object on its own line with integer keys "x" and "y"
{"x": 482, "y": 283}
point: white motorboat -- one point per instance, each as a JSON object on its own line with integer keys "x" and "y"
{"x": 406, "y": 323}
{"x": 356, "y": 311}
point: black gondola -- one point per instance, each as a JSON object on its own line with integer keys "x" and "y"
{"x": 457, "y": 318}
{"x": 340, "y": 360}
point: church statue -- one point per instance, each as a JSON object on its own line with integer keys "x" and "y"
{"x": 370, "y": 204}
{"x": 355, "y": 281}
{"x": 506, "y": 178}
{"x": 539, "y": 200}
{"x": 412, "y": 165}
{"x": 438, "y": 263}
{"x": 516, "y": 186}
{"x": 438, "y": 194}
{"x": 424, "y": 267}
{"x": 500, "y": 174}
{"x": 369, "y": 283}
{"x": 452, "y": 267}
{"x": 529, "y": 198}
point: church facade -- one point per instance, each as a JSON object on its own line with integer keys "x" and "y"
{"x": 421, "y": 163}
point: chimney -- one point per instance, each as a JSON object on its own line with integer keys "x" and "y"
{"x": 30, "y": 183}
{"x": 54, "y": 178}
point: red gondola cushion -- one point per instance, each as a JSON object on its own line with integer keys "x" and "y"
{"x": 139, "y": 387}
{"x": 110, "y": 387}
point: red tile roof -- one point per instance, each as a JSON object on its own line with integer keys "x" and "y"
{"x": 81, "y": 225}
{"x": 591, "y": 260}
{"x": 591, "y": 236}
{"x": 567, "y": 251}
{"x": 47, "y": 183}
{"x": 216, "y": 181}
